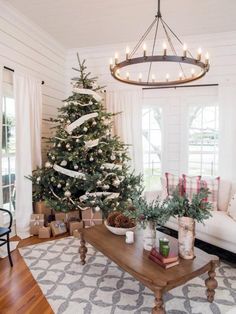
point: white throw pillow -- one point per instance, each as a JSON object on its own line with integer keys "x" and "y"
{"x": 232, "y": 207}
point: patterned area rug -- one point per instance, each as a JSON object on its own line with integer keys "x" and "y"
{"x": 100, "y": 287}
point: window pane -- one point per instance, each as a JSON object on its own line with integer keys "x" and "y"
{"x": 151, "y": 124}
{"x": 203, "y": 140}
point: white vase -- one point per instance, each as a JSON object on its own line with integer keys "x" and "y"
{"x": 186, "y": 237}
{"x": 149, "y": 236}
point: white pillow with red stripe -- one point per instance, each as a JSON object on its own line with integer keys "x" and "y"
{"x": 191, "y": 185}
{"x": 172, "y": 182}
{"x": 213, "y": 185}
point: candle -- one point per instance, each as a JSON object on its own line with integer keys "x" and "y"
{"x": 199, "y": 54}
{"x": 153, "y": 77}
{"x": 185, "y": 50}
{"x": 167, "y": 77}
{"x": 140, "y": 77}
{"x": 118, "y": 72}
{"x": 180, "y": 75}
{"x": 144, "y": 50}
{"x": 127, "y": 75}
{"x": 164, "y": 247}
{"x": 129, "y": 237}
{"x": 127, "y": 53}
{"x": 111, "y": 62}
{"x": 207, "y": 58}
{"x": 165, "y": 49}
{"x": 193, "y": 72}
{"x": 116, "y": 58}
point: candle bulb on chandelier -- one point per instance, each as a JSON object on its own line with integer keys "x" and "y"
{"x": 153, "y": 78}
{"x": 180, "y": 75}
{"x": 164, "y": 49}
{"x": 127, "y": 52}
{"x": 111, "y": 63}
{"x": 127, "y": 75}
{"x": 167, "y": 77}
{"x": 193, "y": 72}
{"x": 207, "y": 57}
{"x": 118, "y": 72}
{"x": 199, "y": 54}
{"x": 144, "y": 50}
{"x": 184, "y": 50}
{"x": 140, "y": 77}
{"x": 116, "y": 58}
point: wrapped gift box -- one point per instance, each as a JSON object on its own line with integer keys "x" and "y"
{"x": 36, "y": 221}
{"x": 73, "y": 216}
{"x": 44, "y": 232}
{"x": 61, "y": 217}
{"x": 58, "y": 227}
{"x": 91, "y": 218}
{"x": 41, "y": 208}
{"x": 75, "y": 225}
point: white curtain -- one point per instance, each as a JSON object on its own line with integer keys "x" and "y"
{"x": 1, "y": 95}
{"x": 227, "y": 147}
{"x": 128, "y": 124}
{"x": 28, "y": 102}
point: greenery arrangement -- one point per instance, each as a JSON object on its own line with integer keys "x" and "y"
{"x": 143, "y": 211}
{"x": 197, "y": 208}
{"x": 87, "y": 166}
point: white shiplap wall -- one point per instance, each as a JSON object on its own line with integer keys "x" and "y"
{"x": 222, "y": 49}
{"x": 25, "y": 47}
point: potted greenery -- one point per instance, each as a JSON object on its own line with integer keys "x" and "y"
{"x": 148, "y": 215}
{"x": 188, "y": 211}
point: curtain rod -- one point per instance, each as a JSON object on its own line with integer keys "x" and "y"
{"x": 9, "y": 69}
{"x": 184, "y": 86}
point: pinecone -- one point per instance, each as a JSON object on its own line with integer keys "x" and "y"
{"x": 122, "y": 221}
{"x": 111, "y": 218}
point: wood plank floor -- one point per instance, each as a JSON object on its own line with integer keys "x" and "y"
{"x": 19, "y": 292}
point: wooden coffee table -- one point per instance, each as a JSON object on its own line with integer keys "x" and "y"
{"x": 134, "y": 259}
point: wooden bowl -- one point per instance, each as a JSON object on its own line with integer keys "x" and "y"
{"x": 118, "y": 231}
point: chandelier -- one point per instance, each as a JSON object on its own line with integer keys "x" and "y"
{"x": 190, "y": 68}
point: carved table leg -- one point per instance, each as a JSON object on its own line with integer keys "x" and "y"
{"x": 82, "y": 249}
{"x": 159, "y": 305}
{"x": 211, "y": 284}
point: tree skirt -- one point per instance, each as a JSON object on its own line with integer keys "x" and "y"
{"x": 100, "y": 287}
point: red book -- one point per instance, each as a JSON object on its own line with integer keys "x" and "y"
{"x": 165, "y": 266}
{"x": 172, "y": 257}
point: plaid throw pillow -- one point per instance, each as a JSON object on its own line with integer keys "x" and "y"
{"x": 172, "y": 182}
{"x": 213, "y": 185}
{"x": 191, "y": 185}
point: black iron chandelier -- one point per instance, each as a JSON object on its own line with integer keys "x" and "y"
{"x": 198, "y": 67}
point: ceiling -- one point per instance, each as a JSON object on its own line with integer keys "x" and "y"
{"x": 80, "y": 23}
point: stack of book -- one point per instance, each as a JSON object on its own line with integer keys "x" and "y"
{"x": 165, "y": 262}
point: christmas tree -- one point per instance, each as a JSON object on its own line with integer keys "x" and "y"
{"x": 87, "y": 166}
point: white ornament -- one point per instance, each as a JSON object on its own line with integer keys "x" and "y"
{"x": 97, "y": 209}
{"x": 67, "y": 184}
{"x": 91, "y": 158}
{"x": 102, "y": 167}
{"x": 106, "y": 187}
{"x": 113, "y": 157}
{"x": 90, "y": 102}
{"x": 59, "y": 145}
{"x": 65, "y": 103}
{"x": 63, "y": 163}
{"x": 100, "y": 151}
{"x": 48, "y": 164}
{"x": 53, "y": 157}
{"x": 68, "y": 122}
{"x": 67, "y": 145}
{"x": 94, "y": 123}
{"x": 99, "y": 183}
{"x": 38, "y": 179}
{"x": 107, "y": 132}
{"x": 85, "y": 129}
{"x": 67, "y": 194}
{"x": 116, "y": 182}
{"x": 59, "y": 185}
{"x": 77, "y": 140}
{"x": 76, "y": 167}
{"x": 129, "y": 186}
{"x": 62, "y": 120}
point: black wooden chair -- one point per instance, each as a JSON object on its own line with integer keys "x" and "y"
{"x": 5, "y": 232}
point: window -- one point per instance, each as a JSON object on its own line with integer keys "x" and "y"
{"x": 151, "y": 132}
{"x": 203, "y": 140}
{"x": 8, "y": 143}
